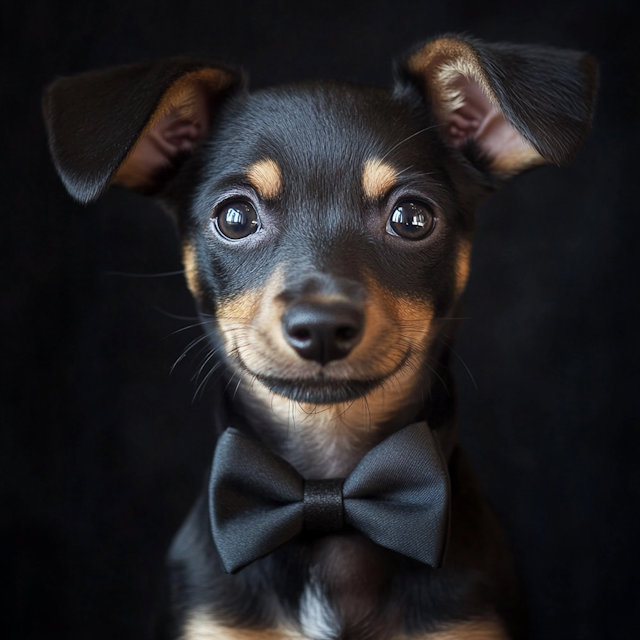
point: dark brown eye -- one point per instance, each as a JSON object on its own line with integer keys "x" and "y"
{"x": 236, "y": 220}
{"x": 412, "y": 220}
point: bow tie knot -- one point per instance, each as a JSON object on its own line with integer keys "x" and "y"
{"x": 323, "y": 505}
{"x": 398, "y": 496}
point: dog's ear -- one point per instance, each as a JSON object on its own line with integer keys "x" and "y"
{"x": 520, "y": 106}
{"x": 126, "y": 125}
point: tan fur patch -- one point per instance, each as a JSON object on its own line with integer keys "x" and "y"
{"x": 202, "y": 626}
{"x": 251, "y": 325}
{"x": 476, "y": 630}
{"x": 520, "y": 158}
{"x": 266, "y": 178}
{"x": 463, "y": 260}
{"x": 443, "y": 61}
{"x": 190, "y": 268}
{"x": 239, "y": 309}
{"x": 183, "y": 95}
{"x": 377, "y": 178}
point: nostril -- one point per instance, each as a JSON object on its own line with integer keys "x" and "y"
{"x": 346, "y": 333}
{"x": 300, "y": 334}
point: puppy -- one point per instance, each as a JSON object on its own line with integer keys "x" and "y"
{"x": 326, "y": 232}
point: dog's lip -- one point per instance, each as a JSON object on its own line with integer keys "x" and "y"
{"x": 323, "y": 389}
{"x": 320, "y": 391}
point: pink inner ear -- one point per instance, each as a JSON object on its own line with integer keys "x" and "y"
{"x": 180, "y": 129}
{"x": 477, "y": 118}
{"x": 174, "y": 134}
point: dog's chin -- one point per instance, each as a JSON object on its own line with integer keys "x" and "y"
{"x": 320, "y": 390}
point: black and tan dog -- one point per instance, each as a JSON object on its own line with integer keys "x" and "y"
{"x": 326, "y": 232}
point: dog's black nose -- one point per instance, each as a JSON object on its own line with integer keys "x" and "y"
{"x": 323, "y": 331}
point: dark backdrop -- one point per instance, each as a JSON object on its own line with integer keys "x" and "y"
{"x": 104, "y": 450}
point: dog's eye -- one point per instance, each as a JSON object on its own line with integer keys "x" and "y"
{"x": 412, "y": 220}
{"x": 236, "y": 220}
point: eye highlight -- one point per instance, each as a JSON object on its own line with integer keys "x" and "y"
{"x": 236, "y": 220}
{"x": 411, "y": 220}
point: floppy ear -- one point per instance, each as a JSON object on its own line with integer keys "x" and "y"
{"x": 126, "y": 125}
{"x": 520, "y": 105}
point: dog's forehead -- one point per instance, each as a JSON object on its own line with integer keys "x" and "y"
{"x": 325, "y": 134}
{"x": 328, "y": 161}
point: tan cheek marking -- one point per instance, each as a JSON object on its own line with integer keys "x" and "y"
{"x": 268, "y": 316}
{"x": 252, "y": 323}
{"x": 202, "y": 626}
{"x": 377, "y": 178}
{"x": 476, "y": 630}
{"x": 463, "y": 260}
{"x": 234, "y": 315}
{"x": 394, "y": 307}
{"x": 241, "y": 308}
{"x": 266, "y": 178}
{"x": 190, "y": 268}
{"x": 395, "y": 325}
{"x": 380, "y": 321}
{"x": 414, "y": 312}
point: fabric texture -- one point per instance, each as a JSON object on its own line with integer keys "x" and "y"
{"x": 398, "y": 496}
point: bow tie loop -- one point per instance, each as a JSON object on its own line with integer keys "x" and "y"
{"x": 324, "y": 505}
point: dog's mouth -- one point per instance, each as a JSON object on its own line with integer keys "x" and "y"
{"x": 322, "y": 388}
{"x": 320, "y": 391}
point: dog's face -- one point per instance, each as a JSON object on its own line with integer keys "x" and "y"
{"x": 327, "y": 227}
{"x": 327, "y": 258}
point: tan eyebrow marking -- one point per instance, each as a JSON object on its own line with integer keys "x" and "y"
{"x": 266, "y": 177}
{"x": 377, "y": 178}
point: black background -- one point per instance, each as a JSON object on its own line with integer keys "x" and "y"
{"x": 103, "y": 450}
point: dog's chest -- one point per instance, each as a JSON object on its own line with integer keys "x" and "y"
{"x": 348, "y": 587}
{"x": 318, "y": 618}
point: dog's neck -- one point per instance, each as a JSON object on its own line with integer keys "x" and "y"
{"x": 328, "y": 441}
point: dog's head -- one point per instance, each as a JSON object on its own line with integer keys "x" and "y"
{"x": 326, "y": 227}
